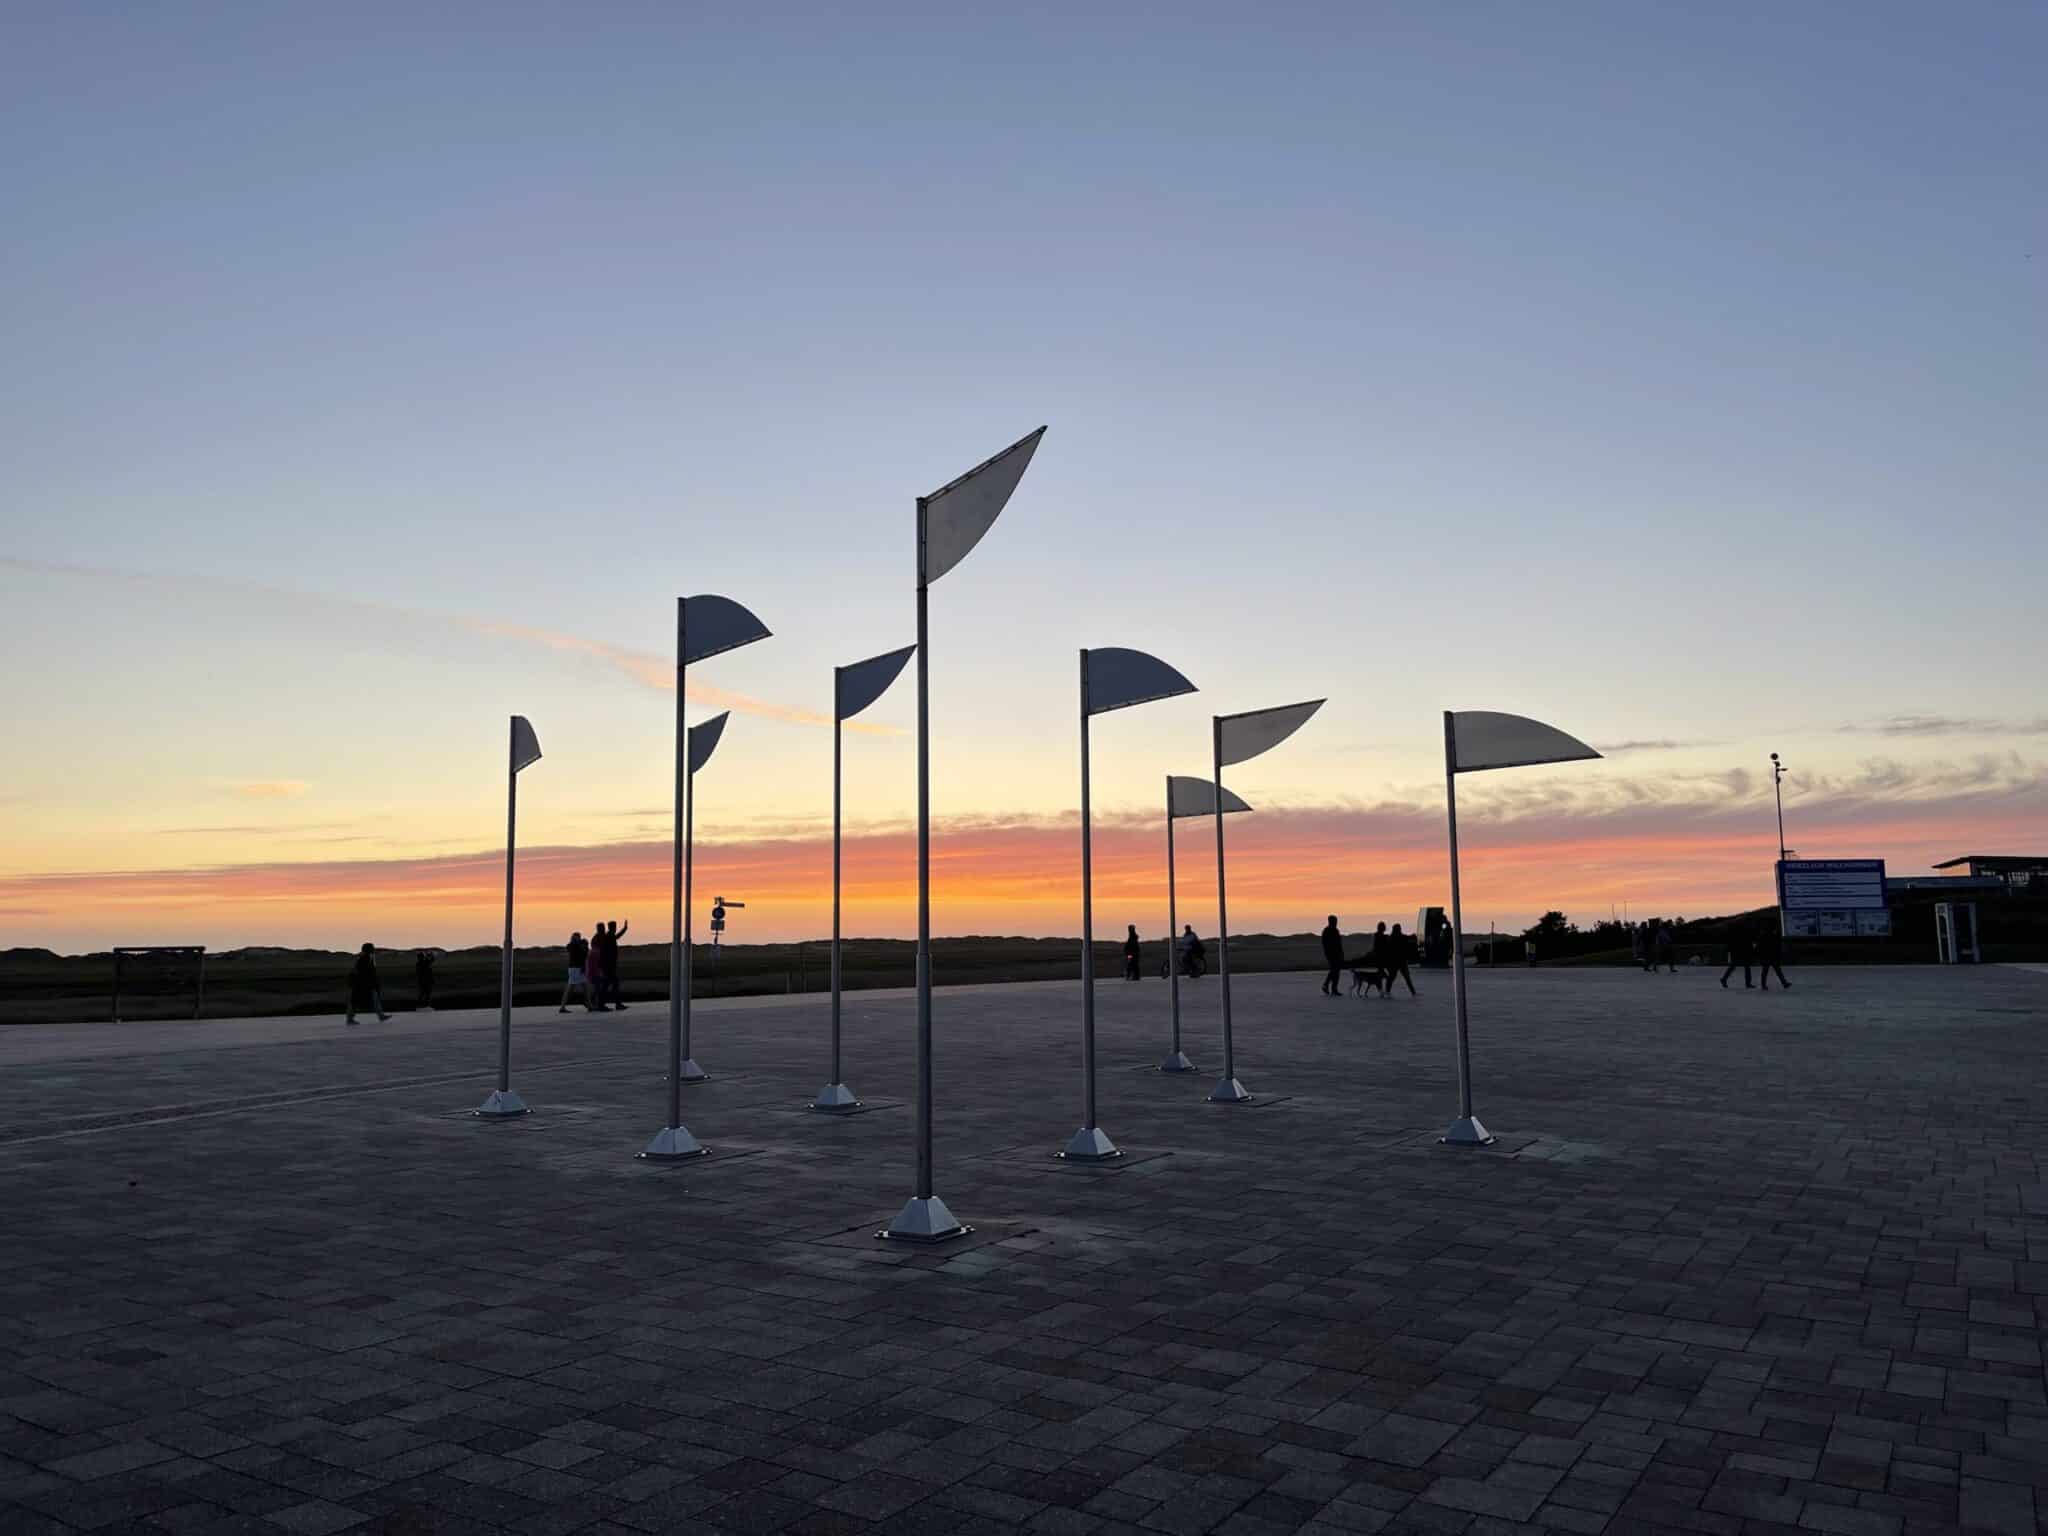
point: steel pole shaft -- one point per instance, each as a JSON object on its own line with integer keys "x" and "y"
{"x": 924, "y": 884}
{"x": 505, "y": 960}
{"x": 835, "y": 1077}
{"x": 1172, "y": 925}
{"x": 676, "y": 984}
{"x": 1466, "y": 1131}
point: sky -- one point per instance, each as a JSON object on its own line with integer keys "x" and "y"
{"x": 1670, "y": 374}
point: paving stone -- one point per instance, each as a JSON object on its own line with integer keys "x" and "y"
{"x": 1695, "y": 1286}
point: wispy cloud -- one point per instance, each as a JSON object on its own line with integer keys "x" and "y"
{"x": 1627, "y": 748}
{"x": 1945, "y": 725}
{"x": 644, "y": 668}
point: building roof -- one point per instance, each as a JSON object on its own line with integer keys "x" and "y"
{"x": 2000, "y": 861}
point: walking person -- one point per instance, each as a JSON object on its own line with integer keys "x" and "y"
{"x": 1333, "y": 956}
{"x": 1193, "y": 960}
{"x": 423, "y": 980}
{"x": 1665, "y": 953}
{"x": 363, "y": 989}
{"x": 593, "y": 970}
{"x": 1770, "y": 955}
{"x": 612, "y": 935}
{"x": 1741, "y": 951}
{"x": 1396, "y": 963}
{"x": 1130, "y": 952}
{"x": 579, "y": 958}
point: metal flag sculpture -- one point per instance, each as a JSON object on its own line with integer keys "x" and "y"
{"x": 950, "y": 522}
{"x": 706, "y": 625}
{"x": 1185, "y": 796}
{"x": 1113, "y": 678}
{"x": 1476, "y": 740}
{"x": 1236, "y": 739}
{"x": 504, "y": 1104}
{"x": 854, "y": 688}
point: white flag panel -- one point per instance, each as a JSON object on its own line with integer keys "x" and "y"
{"x": 1188, "y": 796}
{"x": 525, "y": 744}
{"x": 704, "y": 739}
{"x": 1119, "y": 678}
{"x": 957, "y": 515}
{"x": 854, "y": 688}
{"x": 1245, "y": 736}
{"x": 1485, "y": 739}
{"x": 712, "y": 624}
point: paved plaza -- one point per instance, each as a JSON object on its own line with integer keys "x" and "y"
{"x": 1739, "y": 1262}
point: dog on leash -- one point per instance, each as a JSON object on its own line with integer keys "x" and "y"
{"x": 1365, "y": 974}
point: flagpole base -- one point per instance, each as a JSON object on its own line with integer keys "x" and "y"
{"x": 835, "y": 1099}
{"x": 692, "y": 1073}
{"x": 503, "y": 1104}
{"x": 1177, "y": 1062}
{"x": 1230, "y": 1091}
{"x": 674, "y": 1144}
{"x": 924, "y": 1219}
{"x": 1090, "y": 1144}
{"x": 1467, "y": 1132}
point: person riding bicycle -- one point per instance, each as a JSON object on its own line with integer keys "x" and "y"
{"x": 1194, "y": 960}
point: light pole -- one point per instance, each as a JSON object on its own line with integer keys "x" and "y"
{"x": 1185, "y": 796}
{"x": 1777, "y": 779}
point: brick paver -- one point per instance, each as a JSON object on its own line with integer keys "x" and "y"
{"x": 1738, "y": 1263}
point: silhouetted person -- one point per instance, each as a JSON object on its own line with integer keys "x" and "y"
{"x": 1396, "y": 963}
{"x": 1131, "y": 952}
{"x": 1666, "y": 950}
{"x": 423, "y": 979}
{"x": 1770, "y": 955}
{"x": 1333, "y": 956}
{"x": 593, "y": 970}
{"x": 1639, "y": 946}
{"x": 1193, "y": 959}
{"x": 1741, "y": 951}
{"x": 363, "y": 990}
{"x": 579, "y": 975}
{"x": 610, "y": 937}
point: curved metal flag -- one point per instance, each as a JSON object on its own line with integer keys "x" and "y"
{"x": 855, "y": 687}
{"x": 1119, "y": 678}
{"x": 712, "y": 624}
{"x": 525, "y": 744}
{"x": 704, "y": 739}
{"x": 1240, "y": 737}
{"x": 1485, "y": 739}
{"x": 1197, "y": 797}
{"x": 958, "y": 514}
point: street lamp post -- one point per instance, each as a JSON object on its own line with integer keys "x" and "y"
{"x": 1777, "y": 780}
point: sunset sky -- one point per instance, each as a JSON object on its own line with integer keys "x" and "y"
{"x": 1672, "y": 374}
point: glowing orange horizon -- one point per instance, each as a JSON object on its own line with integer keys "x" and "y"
{"x": 1288, "y": 868}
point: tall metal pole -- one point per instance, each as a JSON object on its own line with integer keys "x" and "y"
{"x": 1466, "y": 1131}
{"x": 694, "y": 1073}
{"x": 677, "y": 961}
{"x": 836, "y": 732}
{"x": 1777, "y": 777}
{"x": 1089, "y": 1143}
{"x": 924, "y": 880}
{"x": 1176, "y": 1060}
{"x": 503, "y": 1104}
{"x": 1228, "y": 1089}
{"x": 1087, "y": 924}
{"x": 924, "y": 1217}
{"x": 505, "y": 960}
